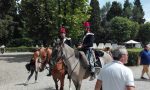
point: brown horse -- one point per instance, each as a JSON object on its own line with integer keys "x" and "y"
{"x": 58, "y": 73}
{"x": 38, "y": 61}
{"x": 44, "y": 57}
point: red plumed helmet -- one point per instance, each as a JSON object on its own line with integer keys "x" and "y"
{"x": 87, "y": 24}
{"x": 62, "y": 30}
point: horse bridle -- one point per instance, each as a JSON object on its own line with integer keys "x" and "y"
{"x": 63, "y": 55}
{"x": 67, "y": 59}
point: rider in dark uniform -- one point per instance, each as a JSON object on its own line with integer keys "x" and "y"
{"x": 87, "y": 45}
{"x": 62, "y": 39}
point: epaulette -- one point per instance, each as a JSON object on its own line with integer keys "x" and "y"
{"x": 68, "y": 38}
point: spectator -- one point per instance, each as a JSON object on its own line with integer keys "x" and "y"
{"x": 115, "y": 74}
{"x": 2, "y": 49}
{"x": 144, "y": 59}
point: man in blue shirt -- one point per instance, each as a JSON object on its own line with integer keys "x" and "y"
{"x": 144, "y": 59}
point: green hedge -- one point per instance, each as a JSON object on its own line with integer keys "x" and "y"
{"x": 20, "y": 49}
{"x": 133, "y": 56}
{"x": 20, "y": 41}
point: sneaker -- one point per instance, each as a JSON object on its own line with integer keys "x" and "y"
{"x": 143, "y": 78}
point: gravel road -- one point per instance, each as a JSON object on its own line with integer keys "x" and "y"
{"x": 13, "y": 75}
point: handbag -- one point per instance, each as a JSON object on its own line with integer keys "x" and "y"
{"x": 28, "y": 66}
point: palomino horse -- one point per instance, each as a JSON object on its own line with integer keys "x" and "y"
{"x": 38, "y": 61}
{"x": 76, "y": 70}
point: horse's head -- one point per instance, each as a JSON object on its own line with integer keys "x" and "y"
{"x": 42, "y": 64}
{"x": 45, "y": 57}
{"x": 105, "y": 57}
{"x": 60, "y": 51}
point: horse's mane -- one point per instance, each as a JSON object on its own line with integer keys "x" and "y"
{"x": 68, "y": 47}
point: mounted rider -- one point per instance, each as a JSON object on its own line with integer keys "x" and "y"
{"x": 87, "y": 44}
{"x": 61, "y": 39}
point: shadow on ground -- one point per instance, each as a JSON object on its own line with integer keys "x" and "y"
{"x": 138, "y": 79}
{"x": 16, "y": 58}
{"x": 24, "y": 84}
{"x": 50, "y": 88}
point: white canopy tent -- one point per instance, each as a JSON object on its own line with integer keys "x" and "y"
{"x": 132, "y": 42}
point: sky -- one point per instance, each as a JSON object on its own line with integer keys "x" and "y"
{"x": 145, "y": 4}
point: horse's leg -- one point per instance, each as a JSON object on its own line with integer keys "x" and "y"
{"x": 36, "y": 75}
{"x": 56, "y": 84}
{"x": 32, "y": 71}
{"x": 62, "y": 82}
{"x": 50, "y": 68}
{"x": 77, "y": 84}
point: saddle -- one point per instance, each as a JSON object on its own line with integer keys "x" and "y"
{"x": 97, "y": 55}
{"x": 84, "y": 61}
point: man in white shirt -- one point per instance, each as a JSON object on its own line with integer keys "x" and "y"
{"x": 116, "y": 76}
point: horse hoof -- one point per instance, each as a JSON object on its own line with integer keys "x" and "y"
{"x": 36, "y": 82}
{"x": 26, "y": 83}
{"x": 70, "y": 88}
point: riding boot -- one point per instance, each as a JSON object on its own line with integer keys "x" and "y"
{"x": 49, "y": 73}
{"x": 92, "y": 72}
{"x": 50, "y": 68}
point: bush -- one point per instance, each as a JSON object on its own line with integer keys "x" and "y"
{"x": 133, "y": 56}
{"x": 21, "y": 49}
{"x": 21, "y": 42}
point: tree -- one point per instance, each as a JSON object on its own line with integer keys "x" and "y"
{"x": 138, "y": 13}
{"x": 43, "y": 18}
{"x": 39, "y": 19}
{"x": 95, "y": 20}
{"x": 78, "y": 12}
{"x": 105, "y": 10}
{"x": 123, "y": 29}
{"x": 4, "y": 31}
{"x": 127, "y": 10}
{"x": 6, "y": 20}
{"x": 115, "y": 10}
{"x": 144, "y": 33}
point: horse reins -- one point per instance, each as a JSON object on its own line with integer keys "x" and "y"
{"x": 67, "y": 59}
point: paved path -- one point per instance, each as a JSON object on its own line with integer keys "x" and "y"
{"x": 13, "y": 75}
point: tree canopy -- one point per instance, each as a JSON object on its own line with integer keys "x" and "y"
{"x": 31, "y": 22}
